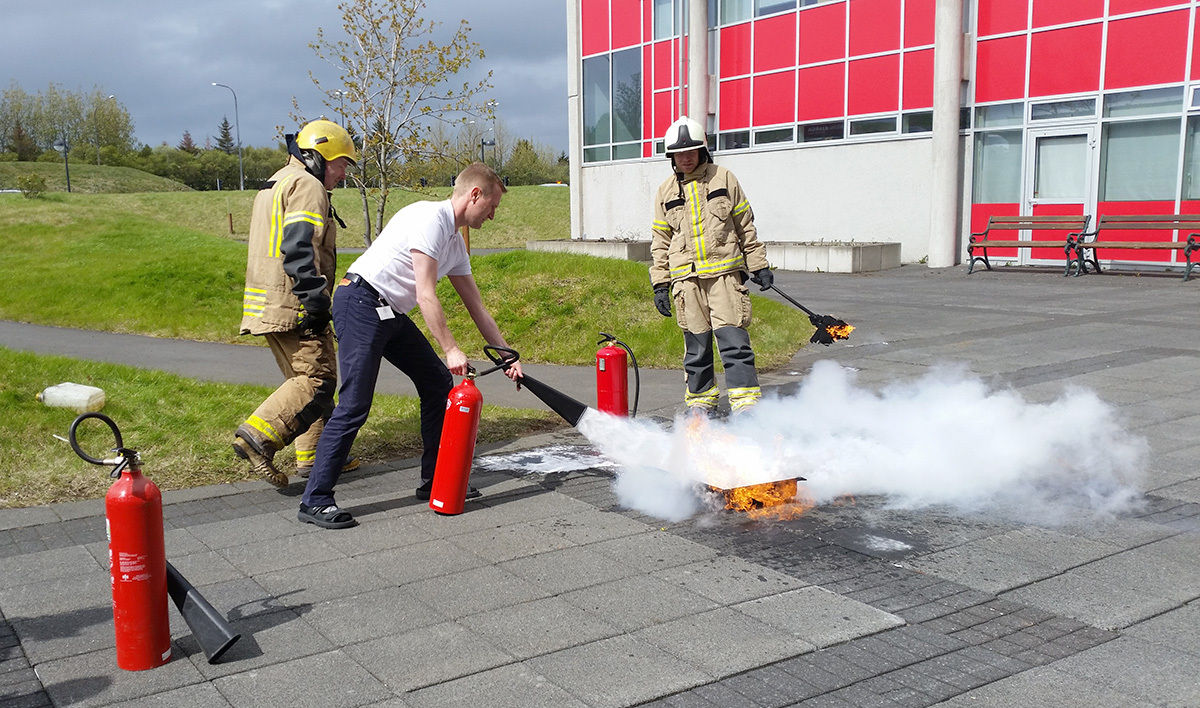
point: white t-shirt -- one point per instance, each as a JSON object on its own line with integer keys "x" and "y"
{"x": 387, "y": 265}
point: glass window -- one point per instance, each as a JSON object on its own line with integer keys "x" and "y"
{"x": 1061, "y": 167}
{"x": 1196, "y": 97}
{"x": 1191, "y": 159}
{"x": 664, "y": 19}
{"x": 1080, "y": 108}
{"x": 628, "y": 151}
{"x": 596, "y": 154}
{"x": 1138, "y": 160}
{"x": 964, "y": 118}
{"x": 735, "y": 140}
{"x": 917, "y": 122}
{"x": 595, "y": 100}
{"x": 627, "y": 95}
{"x": 767, "y": 7}
{"x": 997, "y": 173}
{"x": 735, "y": 11}
{"x": 1001, "y": 115}
{"x": 870, "y": 126}
{"x": 774, "y": 135}
{"x": 1141, "y": 103}
{"x": 813, "y": 132}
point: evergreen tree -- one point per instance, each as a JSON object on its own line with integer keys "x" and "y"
{"x": 22, "y": 143}
{"x": 225, "y": 141}
{"x": 187, "y": 144}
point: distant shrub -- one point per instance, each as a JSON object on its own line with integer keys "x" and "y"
{"x": 8, "y": 157}
{"x": 31, "y": 185}
{"x": 50, "y": 156}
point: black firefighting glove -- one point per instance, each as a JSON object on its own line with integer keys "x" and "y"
{"x": 662, "y": 299}
{"x": 763, "y": 278}
{"x": 313, "y": 322}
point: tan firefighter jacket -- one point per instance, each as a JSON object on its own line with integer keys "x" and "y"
{"x": 705, "y": 231}
{"x": 292, "y": 256}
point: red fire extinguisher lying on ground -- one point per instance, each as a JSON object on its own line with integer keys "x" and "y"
{"x": 457, "y": 447}
{"x": 612, "y": 377}
{"x": 133, "y": 517}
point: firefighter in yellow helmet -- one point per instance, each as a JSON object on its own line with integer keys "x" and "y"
{"x": 290, "y": 268}
{"x": 704, "y": 246}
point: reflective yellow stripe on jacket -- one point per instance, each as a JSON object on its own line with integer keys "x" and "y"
{"x": 697, "y": 224}
{"x": 275, "y": 242}
{"x": 254, "y": 300}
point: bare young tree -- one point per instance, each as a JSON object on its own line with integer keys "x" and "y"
{"x": 397, "y": 84}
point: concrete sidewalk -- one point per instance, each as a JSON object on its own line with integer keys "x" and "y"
{"x": 546, "y": 592}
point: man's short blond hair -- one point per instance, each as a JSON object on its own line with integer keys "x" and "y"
{"x": 479, "y": 175}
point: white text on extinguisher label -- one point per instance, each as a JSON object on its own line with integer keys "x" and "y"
{"x": 464, "y": 409}
{"x": 602, "y": 362}
{"x": 131, "y": 562}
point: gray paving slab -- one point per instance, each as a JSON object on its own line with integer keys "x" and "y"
{"x": 511, "y": 686}
{"x": 638, "y": 601}
{"x": 1163, "y": 675}
{"x": 1178, "y": 629}
{"x": 819, "y": 617}
{"x": 427, "y": 656}
{"x": 304, "y": 682}
{"x": 91, "y": 679}
{"x": 1107, "y": 605}
{"x": 724, "y": 641}
{"x": 353, "y": 619}
{"x": 976, "y": 567}
{"x": 539, "y": 627}
{"x": 728, "y": 580}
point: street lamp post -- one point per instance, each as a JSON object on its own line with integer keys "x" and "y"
{"x": 495, "y": 155}
{"x": 96, "y": 124}
{"x": 238, "y": 128}
{"x": 65, "y": 148}
{"x": 484, "y": 141}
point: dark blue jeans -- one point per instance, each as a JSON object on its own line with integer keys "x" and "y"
{"x": 363, "y": 341}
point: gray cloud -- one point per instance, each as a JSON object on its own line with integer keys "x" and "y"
{"x": 159, "y": 59}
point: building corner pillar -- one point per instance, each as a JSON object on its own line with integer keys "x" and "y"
{"x": 947, "y": 104}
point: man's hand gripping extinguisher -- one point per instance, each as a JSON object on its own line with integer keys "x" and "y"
{"x": 612, "y": 377}
{"x": 459, "y": 429}
{"x": 133, "y": 518}
{"x": 142, "y": 579}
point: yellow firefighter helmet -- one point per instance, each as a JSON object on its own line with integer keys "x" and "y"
{"x": 329, "y": 139}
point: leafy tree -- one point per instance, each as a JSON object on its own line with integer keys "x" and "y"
{"x": 187, "y": 145}
{"x": 398, "y": 82}
{"x": 225, "y": 141}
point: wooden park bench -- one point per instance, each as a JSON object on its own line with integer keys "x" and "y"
{"x": 1086, "y": 245}
{"x": 982, "y": 241}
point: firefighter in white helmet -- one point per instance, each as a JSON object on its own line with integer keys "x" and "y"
{"x": 703, "y": 249}
{"x": 290, "y": 267}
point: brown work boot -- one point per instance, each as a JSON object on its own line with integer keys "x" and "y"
{"x": 261, "y": 462}
{"x": 303, "y": 470}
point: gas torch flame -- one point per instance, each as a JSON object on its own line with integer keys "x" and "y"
{"x": 829, "y": 329}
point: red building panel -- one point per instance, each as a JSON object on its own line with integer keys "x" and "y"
{"x": 979, "y": 222}
{"x": 874, "y": 85}
{"x": 1128, "y": 62}
{"x": 918, "y": 22}
{"x": 593, "y": 21}
{"x": 1065, "y": 60}
{"x": 1000, "y": 16}
{"x": 1057, "y": 12}
{"x": 820, "y": 92}
{"x": 1000, "y": 69}
{"x": 1134, "y": 254}
{"x": 918, "y": 79}
{"x": 1196, "y": 48}
{"x": 874, "y": 26}
{"x": 734, "y": 105}
{"x": 665, "y": 107}
{"x": 775, "y": 98}
{"x": 626, "y": 23}
{"x": 822, "y": 33}
{"x": 1051, "y": 236}
{"x": 775, "y": 42}
{"x": 664, "y": 64}
{"x": 735, "y": 50}
{"x": 1120, "y": 7}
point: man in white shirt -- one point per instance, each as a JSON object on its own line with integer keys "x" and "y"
{"x": 399, "y": 271}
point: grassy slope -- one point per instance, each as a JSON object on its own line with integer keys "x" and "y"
{"x": 87, "y": 178}
{"x": 181, "y": 428}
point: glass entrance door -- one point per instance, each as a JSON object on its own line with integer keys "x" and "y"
{"x": 1059, "y": 180}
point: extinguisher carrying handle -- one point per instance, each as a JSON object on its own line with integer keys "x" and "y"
{"x": 124, "y": 455}
{"x": 502, "y": 357}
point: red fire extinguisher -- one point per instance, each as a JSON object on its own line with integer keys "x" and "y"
{"x": 459, "y": 429}
{"x": 612, "y": 377}
{"x": 136, "y": 554}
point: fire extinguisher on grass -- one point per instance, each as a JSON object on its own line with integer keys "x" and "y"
{"x": 456, "y": 449}
{"x": 136, "y": 554}
{"x": 612, "y": 377}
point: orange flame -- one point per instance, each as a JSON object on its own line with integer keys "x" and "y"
{"x": 840, "y": 331}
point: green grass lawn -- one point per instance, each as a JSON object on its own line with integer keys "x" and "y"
{"x": 88, "y": 178}
{"x": 122, "y": 270}
{"x": 181, "y": 427}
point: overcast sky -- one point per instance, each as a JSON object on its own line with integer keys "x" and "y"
{"x": 160, "y": 58}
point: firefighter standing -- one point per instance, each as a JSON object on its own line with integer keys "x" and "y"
{"x": 289, "y": 285}
{"x": 704, "y": 246}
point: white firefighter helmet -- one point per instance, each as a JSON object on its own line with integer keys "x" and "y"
{"x": 684, "y": 134}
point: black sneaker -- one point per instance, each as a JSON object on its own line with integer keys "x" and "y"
{"x": 426, "y": 488}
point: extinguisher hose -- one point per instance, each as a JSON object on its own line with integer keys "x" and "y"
{"x": 637, "y": 377}
{"x": 124, "y": 455}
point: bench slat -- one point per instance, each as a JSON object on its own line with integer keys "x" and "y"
{"x": 1171, "y": 245}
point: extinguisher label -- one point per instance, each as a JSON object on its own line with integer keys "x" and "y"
{"x": 464, "y": 409}
{"x": 438, "y": 503}
{"x": 602, "y": 362}
{"x": 131, "y": 562}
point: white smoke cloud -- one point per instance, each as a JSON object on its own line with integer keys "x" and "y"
{"x": 946, "y": 438}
